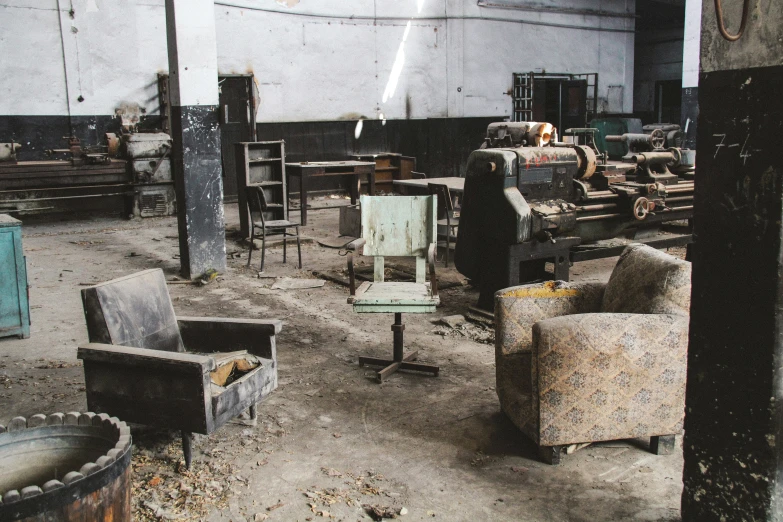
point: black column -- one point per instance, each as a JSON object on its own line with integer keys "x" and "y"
{"x": 732, "y": 444}
{"x": 192, "y": 49}
{"x": 198, "y": 174}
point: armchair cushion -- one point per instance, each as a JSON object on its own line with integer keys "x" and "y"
{"x": 647, "y": 281}
{"x": 609, "y": 376}
{"x": 518, "y": 308}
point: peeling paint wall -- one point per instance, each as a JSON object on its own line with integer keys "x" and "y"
{"x": 314, "y": 60}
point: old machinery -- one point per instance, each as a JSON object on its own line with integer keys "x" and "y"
{"x": 133, "y": 170}
{"x": 148, "y": 157}
{"x": 97, "y": 155}
{"x": 525, "y": 206}
{"x": 8, "y": 152}
{"x": 519, "y": 134}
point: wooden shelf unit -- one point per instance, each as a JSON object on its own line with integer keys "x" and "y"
{"x": 389, "y": 166}
{"x": 262, "y": 163}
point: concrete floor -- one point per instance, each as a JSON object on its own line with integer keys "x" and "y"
{"x": 329, "y": 439}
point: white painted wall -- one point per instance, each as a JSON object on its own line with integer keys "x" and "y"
{"x": 691, "y": 44}
{"x": 317, "y": 60}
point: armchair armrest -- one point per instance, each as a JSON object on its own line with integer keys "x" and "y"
{"x": 606, "y": 376}
{"x": 218, "y": 334}
{"x": 518, "y": 308}
{"x": 144, "y": 357}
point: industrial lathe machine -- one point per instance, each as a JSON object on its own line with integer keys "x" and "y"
{"x": 530, "y": 199}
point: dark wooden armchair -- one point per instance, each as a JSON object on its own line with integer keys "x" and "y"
{"x": 191, "y": 374}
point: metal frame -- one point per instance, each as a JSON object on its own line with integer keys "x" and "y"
{"x": 522, "y": 93}
{"x": 256, "y": 198}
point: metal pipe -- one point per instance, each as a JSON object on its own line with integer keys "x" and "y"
{"x": 680, "y": 198}
{"x": 605, "y": 206}
{"x": 565, "y": 10}
{"x": 403, "y": 19}
{"x": 597, "y": 218}
{"x": 602, "y": 195}
{"x": 653, "y": 158}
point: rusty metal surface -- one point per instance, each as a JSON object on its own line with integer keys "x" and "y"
{"x": 65, "y": 467}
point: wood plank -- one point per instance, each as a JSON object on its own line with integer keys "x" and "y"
{"x": 454, "y": 184}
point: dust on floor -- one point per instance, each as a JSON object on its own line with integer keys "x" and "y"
{"x": 330, "y": 442}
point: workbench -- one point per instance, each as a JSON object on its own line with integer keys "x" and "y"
{"x": 312, "y": 169}
{"x": 59, "y": 185}
{"x": 419, "y": 186}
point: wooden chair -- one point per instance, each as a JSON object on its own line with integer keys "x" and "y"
{"x": 257, "y": 202}
{"x": 399, "y": 226}
{"x": 190, "y": 374}
{"x": 445, "y": 208}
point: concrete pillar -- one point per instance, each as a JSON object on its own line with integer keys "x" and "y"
{"x": 733, "y": 445}
{"x": 690, "y": 71}
{"x": 190, "y": 28}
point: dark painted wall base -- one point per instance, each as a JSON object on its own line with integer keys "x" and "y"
{"x": 690, "y": 115}
{"x": 441, "y": 146}
{"x": 39, "y": 133}
{"x": 734, "y": 401}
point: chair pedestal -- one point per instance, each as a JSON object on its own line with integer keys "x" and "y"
{"x": 399, "y": 361}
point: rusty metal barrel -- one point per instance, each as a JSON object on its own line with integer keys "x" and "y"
{"x": 65, "y": 467}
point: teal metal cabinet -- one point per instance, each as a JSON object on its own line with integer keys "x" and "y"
{"x": 14, "y": 304}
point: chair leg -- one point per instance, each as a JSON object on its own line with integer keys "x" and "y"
{"x": 263, "y": 248}
{"x": 550, "y": 454}
{"x": 448, "y": 244}
{"x": 285, "y": 241}
{"x": 187, "y": 448}
{"x": 399, "y": 360}
{"x": 662, "y": 444}
{"x": 250, "y": 252}
{"x": 299, "y": 248}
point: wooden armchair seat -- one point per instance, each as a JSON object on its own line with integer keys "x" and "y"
{"x": 414, "y": 298}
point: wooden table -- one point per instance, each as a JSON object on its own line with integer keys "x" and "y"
{"x": 312, "y": 169}
{"x": 419, "y": 186}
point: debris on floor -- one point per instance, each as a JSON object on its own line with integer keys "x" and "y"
{"x": 457, "y": 326}
{"x": 453, "y": 321}
{"x": 290, "y": 283}
{"x": 336, "y": 242}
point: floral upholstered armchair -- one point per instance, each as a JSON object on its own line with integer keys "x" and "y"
{"x": 586, "y": 362}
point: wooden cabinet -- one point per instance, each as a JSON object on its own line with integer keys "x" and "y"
{"x": 14, "y": 304}
{"x": 389, "y": 166}
{"x": 261, "y": 163}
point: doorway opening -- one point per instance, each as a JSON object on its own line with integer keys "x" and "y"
{"x": 564, "y": 100}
